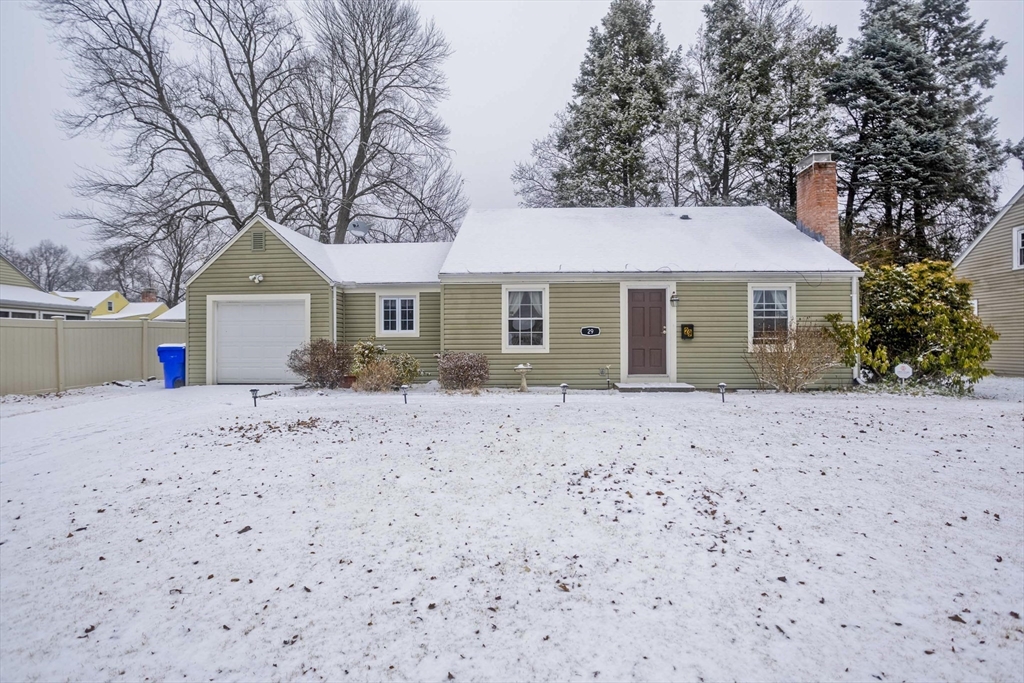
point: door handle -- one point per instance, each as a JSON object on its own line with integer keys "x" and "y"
{"x": 664, "y": 330}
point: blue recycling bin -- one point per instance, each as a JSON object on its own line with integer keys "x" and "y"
{"x": 173, "y": 358}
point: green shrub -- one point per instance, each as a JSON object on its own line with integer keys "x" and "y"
{"x": 406, "y": 366}
{"x": 365, "y": 352}
{"x": 919, "y": 314}
{"x": 321, "y": 363}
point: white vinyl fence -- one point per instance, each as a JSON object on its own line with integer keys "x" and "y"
{"x": 41, "y": 356}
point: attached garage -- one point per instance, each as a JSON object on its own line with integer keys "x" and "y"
{"x": 250, "y": 336}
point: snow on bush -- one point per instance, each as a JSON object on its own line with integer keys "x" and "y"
{"x": 406, "y": 366}
{"x": 321, "y": 363}
{"x": 379, "y": 375}
{"x": 918, "y": 314}
{"x": 365, "y": 352}
{"x": 462, "y": 370}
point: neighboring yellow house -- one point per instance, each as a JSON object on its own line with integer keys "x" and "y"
{"x": 102, "y": 303}
{"x": 112, "y": 305}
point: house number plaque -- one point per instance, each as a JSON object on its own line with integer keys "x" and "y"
{"x": 590, "y": 331}
{"x": 687, "y": 331}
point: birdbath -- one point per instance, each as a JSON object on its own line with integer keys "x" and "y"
{"x": 522, "y": 370}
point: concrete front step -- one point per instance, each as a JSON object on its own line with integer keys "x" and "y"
{"x": 630, "y": 387}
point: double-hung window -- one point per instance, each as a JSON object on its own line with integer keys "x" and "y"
{"x": 525, "y": 319}
{"x": 771, "y": 313}
{"x": 397, "y": 315}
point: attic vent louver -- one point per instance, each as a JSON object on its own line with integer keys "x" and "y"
{"x": 685, "y": 217}
{"x": 259, "y": 241}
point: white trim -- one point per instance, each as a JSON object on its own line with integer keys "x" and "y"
{"x": 651, "y": 279}
{"x": 379, "y": 314}
{"x": 671, "y": 357}
{"x": 981, "y": 235}
{"x": 388, "y": 287}
{"x": 334, "y": 314}
{"x": 856, "y": 321}
{"x": 790, "y": 304}
{"x": 546, "y": 309}
{"x": 1018, "y": 243}
{"x": 211, "y": 320}
{"x": 238, "y": 235}
{"x": 974, "y": 306}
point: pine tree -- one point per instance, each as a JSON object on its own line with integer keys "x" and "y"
{"x": 600, "y": 155}
{"x": 751, "y": 103}
{"x": 919, "y": 151}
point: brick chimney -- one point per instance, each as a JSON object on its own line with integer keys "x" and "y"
{"x": 817, "y": 199}
{"x": 149, "y": 296}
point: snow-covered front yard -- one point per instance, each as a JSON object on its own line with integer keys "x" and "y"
{"x": 185, "y": 535}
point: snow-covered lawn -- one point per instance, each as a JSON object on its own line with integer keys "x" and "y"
{"x": 185, "y": 535}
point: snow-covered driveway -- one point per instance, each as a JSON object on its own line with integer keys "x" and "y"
{"x": 184, "y": 535}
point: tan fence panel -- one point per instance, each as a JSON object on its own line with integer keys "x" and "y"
{"x": 28, "y": 356}
{"x": 39, "y": 356}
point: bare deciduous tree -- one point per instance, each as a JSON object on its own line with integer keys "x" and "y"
{"x": 52, "y": 266}
{"x": 391, "y": 148}
{"x": 534, "y": 181}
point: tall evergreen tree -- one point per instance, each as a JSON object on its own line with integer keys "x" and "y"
{"x": 750, "y": 105}
{"x": 601, "y": 150}
{"x": 919, "y": 151}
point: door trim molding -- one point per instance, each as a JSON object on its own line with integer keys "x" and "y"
{"x": 670, "y": 324}
{"x": 211, "y": 320}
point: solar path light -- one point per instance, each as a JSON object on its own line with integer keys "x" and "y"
{"x": 721, "y": 390}
{"x": 254, "y": 392}
{"x": 405, "y": 393}
{"x": 565, "y": 388}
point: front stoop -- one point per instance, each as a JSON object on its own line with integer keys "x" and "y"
{"x": 633, "y": 387}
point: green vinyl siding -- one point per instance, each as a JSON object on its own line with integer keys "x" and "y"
{"x": 999, "y": 290}
{"x": 9, "y": 275}
{"x": 284, "y": 272}
{"x": 360, "y": 322}
{"x": 474, "y": 321}
{"x": 719, "y": 313}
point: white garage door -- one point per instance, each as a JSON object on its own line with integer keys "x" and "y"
{"x": 253, "y": 340}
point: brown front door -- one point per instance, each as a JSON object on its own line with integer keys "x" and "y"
{"x": 647, "y": 331}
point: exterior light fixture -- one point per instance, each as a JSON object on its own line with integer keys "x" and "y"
{"x": 674, "y": 299}
{"x": 256, "y": 278}
{"x": 721, "y": 390}
{"x": 565, "y": 388}
{"x": 405, "y": 393}
{"x": 254, "y": 392}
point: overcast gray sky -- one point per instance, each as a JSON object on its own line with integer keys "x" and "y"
{"x": 513, "y": 68}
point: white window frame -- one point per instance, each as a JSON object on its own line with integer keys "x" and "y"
{"x": 974, "y": 306}
{"x": 1018, "y": 238}
{"x": 110, "y": 306}
{"x": 790, "y": 303}
{"x": 35, "y": 314}
{"x": 390, "y": 334}
{"x": 545, "y": 291}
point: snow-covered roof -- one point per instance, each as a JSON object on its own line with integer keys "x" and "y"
{"x": 174, "y": 314}
{"x": 87, "y": 298}
{"x": 369, "y": 264}
{"x": 27, "y": 296}
{"x": 636, "y": 240}
{"x": 134, "y": 309}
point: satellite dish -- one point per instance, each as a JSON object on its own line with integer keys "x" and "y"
{"x": 358, "y": 228}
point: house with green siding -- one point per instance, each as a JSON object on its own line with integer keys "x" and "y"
{"x": 994, "y": 263}
{"x": 593, "y": 297}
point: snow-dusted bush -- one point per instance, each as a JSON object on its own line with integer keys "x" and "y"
{"x": 789, "y": 360}
{"x": 379, "y": 375}
{"x": 321, "y": 363}
{"x": 406, "y": 366}
{"x": 918, "y": 314}
{"x": 365, "y": 352}
{"x": 462, "y": 370}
